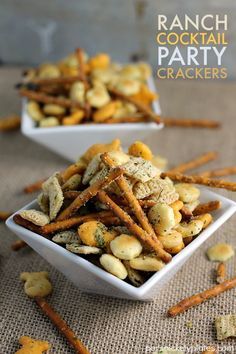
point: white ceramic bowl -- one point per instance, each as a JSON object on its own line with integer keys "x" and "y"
{"x": 92, "y": 279}
{"x": 72, "y": 141}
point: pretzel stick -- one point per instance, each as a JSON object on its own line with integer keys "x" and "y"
{"x": 200, "y": 160}
{"x": 227, "y": 171}
{"x": 10, "y": 123}
{"x": 4, "y": 215}
{"x": 195, "y": 179}
{"x": 221, "y": 273}
{"x": 48, "y": 90}
{"x": 34, "y": 187}
{"x": 43, "y": 98}
{"x": 201, "y": 297}
{"x": 131, "y": 199}
{"x": 110, "y": 221}
{"x": 190, "y": 123}
{"x": 89, "y": 193}
{"x": 144, "y": 203}
{"x": 18, "y": 245}
{"x": 62, "y": 80}
{"x": 134, "y": 228}
{"x": 26, "y": 224}
{"x": 79, "y": 54}
{"x": 207, "y": 207}
{"x": 61, "y": 325}
{"x": 71, "y": 194}
{"x": 141, "y": 107}
{"x": 75, "y": 221}
{"x": 131, "y": 119}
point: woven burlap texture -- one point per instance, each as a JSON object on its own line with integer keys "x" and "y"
{"x": 106, "y": 325}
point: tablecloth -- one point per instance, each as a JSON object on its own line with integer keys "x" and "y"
{"x": 108, "y": 325}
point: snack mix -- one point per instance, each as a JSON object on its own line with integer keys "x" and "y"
{"x": 81, "y": 89}
{"x": 118, "y": 211}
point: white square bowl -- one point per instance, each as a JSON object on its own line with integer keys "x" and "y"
{"x": 92, "y": 279}
{"x": 72, "y": 141}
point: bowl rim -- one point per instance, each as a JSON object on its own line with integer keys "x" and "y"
{"x": 228, "y": 204}
{"x": 28, "y": 127}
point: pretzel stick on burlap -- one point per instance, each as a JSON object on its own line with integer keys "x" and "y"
{"x": 130, "y": 197}
{"x": 44, "y": 98}
{"x": 18, "y": 245}
{"x": 89, "y": 193}
{"x": 221, "y": 273}
{"x": 207, "y": 207}
{"x": 61, "y": 325}
{"x": 199, "y": 161}
{"x": 201, "y": 297}
{"x": 10, "y": 123}
{"x": 226, "y": 171}
{"x": 34, "y": 187}
{"x": 195, "y": 179}
{"x": 190, "y": 123}
{"x": 4, "y": 215}
{"x": 143, "y": 236}
{"x": 140, "y": 107}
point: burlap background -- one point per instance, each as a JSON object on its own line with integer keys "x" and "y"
{"x": 105, "y": 325}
